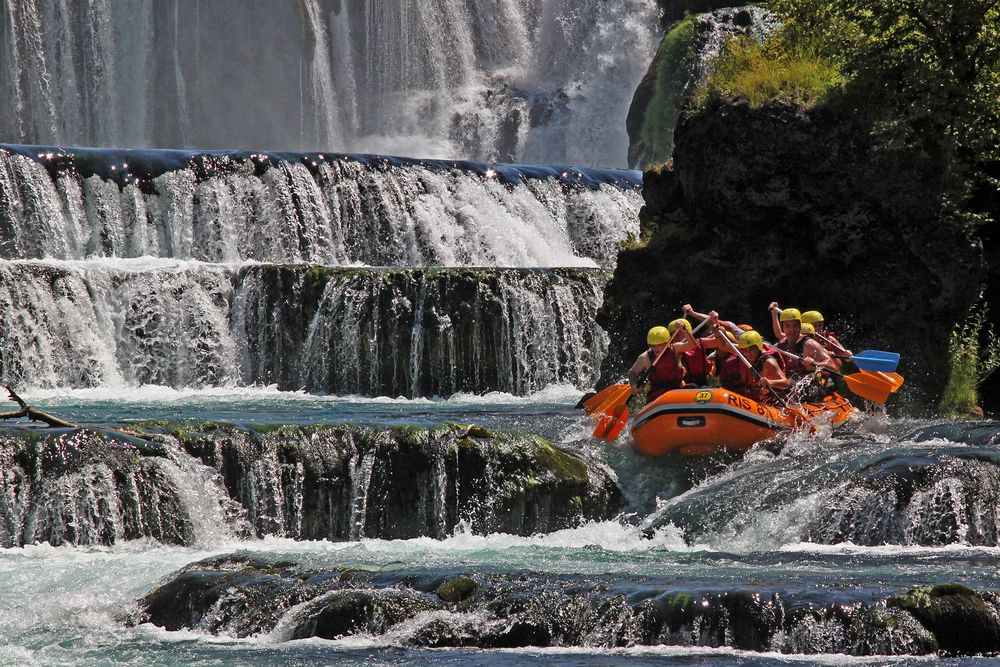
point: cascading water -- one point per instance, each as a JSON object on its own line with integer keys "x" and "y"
{"x": 244, "y": 318}
{"x": 188, "y": 311}
{"x": 526, "y": 80}
{"x": 347, "y": 331}
{"x": 318, "y": 208}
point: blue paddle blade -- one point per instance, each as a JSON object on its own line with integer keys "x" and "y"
{"x": 876, "y": 360}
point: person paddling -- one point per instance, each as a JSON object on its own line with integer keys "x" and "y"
{"x": 808, "y": 354}
{"x": 696, "y": 364}
{"x": 756, "y": 384}
{"x": 660, "y": 365}
{"x": 826, "y": 338}
{"x": 726, "y": 374}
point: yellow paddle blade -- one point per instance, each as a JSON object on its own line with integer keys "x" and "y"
{"x": 894, "y": 379}
{"x": 612, "y": 393}
{"x": 871, "y": 388}
{"x": 610, "y": 425}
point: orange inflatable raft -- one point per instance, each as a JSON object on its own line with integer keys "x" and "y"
{"x": 697, "y": 422}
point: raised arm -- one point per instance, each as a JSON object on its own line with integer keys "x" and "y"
{"x": 683, "y": 341}
{"x": 775, "y": 323}
{"x": 688, "y": 310}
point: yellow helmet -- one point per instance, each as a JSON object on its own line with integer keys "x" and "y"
{"x": 808, "y": 329}
{"x": 812, "y": 317}
{"x": 790, "y": 314}
{"x": 680, "y": 322}
{"x": 751, "y": 339}
{"x": 658, "y": 335}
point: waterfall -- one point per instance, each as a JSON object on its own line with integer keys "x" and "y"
{"x": 81, "y": 488}
{"x": 350, "y": 331}
{"x": 129, "y": 267}
{"x": 327, "y": 209}
{"x": 519, "y": 81}
{"x": 337, "y": 483}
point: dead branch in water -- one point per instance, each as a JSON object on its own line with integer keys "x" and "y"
{"x": 33, "y": 414}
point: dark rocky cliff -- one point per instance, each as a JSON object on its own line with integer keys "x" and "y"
{"x": 799, "y": 206}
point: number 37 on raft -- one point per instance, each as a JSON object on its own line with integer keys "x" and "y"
{"x": 707, "y": 421}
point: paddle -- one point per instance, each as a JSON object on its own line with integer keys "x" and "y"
{"x": 868, "y": 387}
{"x": 733, "y": 347}
{"x": 595, "y": 401}
{"x": 894, "y": 379}
{"x": 872, "y": 362}
{"x": 875, "y": 360}
{"x": 868, "y": 360}
{"x": 614, "y": 409}
{"x": 612, "y": 396}
{"x": 610, "y": 424}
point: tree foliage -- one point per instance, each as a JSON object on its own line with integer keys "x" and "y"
{"x": 932, "y": 67}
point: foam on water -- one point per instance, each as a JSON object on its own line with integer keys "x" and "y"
{"x": 559, "y": 394}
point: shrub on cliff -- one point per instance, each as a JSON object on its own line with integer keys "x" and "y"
{"x": 782, "y": 67}
{"x": 933, "y": 70}
{"x": 974, "y": 353}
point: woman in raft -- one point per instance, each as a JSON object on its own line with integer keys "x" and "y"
{"x": 661, "y": 364}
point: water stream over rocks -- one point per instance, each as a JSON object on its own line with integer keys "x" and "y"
{"x": 326, "y": 397}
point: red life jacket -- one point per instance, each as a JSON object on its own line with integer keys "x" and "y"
{"x": 745, "y": 381}
{"x": 665, "y": 374}
{"x": 697, "y": 365}
{"x": 793, "y": 367}
{"x": 727, "y": 372}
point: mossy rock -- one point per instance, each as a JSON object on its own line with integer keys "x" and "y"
{"x": 959, "y": 617}
{"x": 456, "y": 590}
{"x": 563, "y": 464}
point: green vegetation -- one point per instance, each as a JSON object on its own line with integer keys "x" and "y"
{"x": 929, "y": 71}
{"x": 975, "y": 353}
{"x": 926, "y": 73}
{"x": 633, "y": 242}
{"x": 782, "y": 67}
{"x": 674, "y": 59}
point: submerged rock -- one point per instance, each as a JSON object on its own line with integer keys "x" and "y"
{"x": 304, "y": 482}
{"x": 928, "y": 499}
{"x": 326, "y": 482}
{"x": 237, "y": 596}
{"x": 847, "y": 490}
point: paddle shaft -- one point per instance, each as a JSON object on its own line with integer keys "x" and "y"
{"x": 795, "y": 356}
{"x": 839, "y": 347}
{"x": 736, "y": 350}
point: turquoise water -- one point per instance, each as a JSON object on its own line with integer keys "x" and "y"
{"x": 66, "y": 606}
